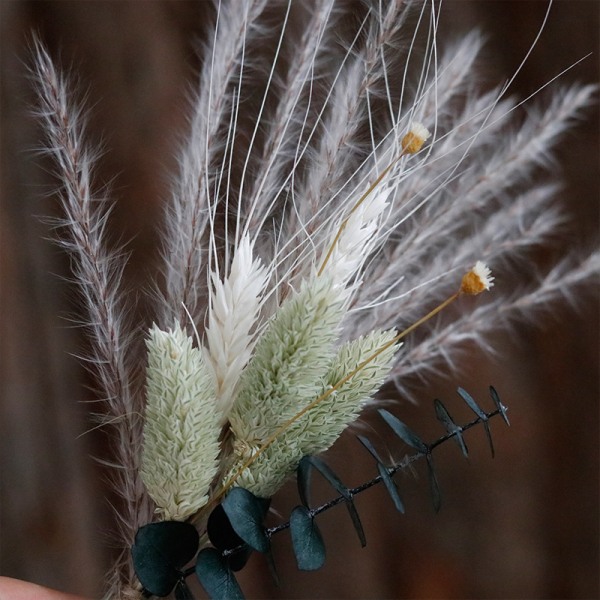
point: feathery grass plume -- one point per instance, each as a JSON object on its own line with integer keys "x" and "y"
{"x": 483, "y": 208}
{"x": 233, "y": 313}
{"x": 181, "y": 425}
{"x": 97, "y": 271}
{"x": 197, "y": 186}
{"x": 444, "y": 345}
{"x": 284, "y": 128}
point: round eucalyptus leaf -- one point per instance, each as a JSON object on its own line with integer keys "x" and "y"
{"x": 159, "y": 553}
{"x": 246, "y": 514}
{"x": 224, "y": 538}
{"x": 307, "y": 541}
{"x": 216, "y": 577}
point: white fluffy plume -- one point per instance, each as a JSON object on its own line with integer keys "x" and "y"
{"x": 234, "y": 310}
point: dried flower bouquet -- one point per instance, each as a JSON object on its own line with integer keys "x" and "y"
{"x": 296, "y": 257}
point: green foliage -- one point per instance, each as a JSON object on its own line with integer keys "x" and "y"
{"x": 236, "y": 526}
{"x": 182, "y": 591}
{"x": 384, "y": 474}
{"x": 452, "y": 428}
{"x": 307, "y": 542}
{"x": 403, "y": 432}
{"x": 246, "y": 514}
{"x": 223, "y": 537}
{"x": 499, "y": 406}
{"x": 216, "y": 576}
{"x": 337, "y": 484}
{"x": 470, "y": 402}
{"x": 160, "y": 552}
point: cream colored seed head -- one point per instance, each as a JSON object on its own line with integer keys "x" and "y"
{"x": 477, "y": 280}
{"x": 413, "y": 141}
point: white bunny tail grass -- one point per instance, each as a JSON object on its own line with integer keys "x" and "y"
{"x": 97, "y": 272}
{"x": 234, "y": 311}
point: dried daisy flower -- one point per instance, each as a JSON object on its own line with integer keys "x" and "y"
{"x": 304, "y": 250}
{"x": 413, "y": 141}
{"x": 477, "y": 280}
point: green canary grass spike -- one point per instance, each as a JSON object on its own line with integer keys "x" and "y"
{"x": 322, "y": 425}
{"x": 291, "y": 359}
{"x": 315, "y": 431}
{"x": 181, "y": 431}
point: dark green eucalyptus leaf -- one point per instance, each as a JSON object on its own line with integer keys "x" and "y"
{"x": 307, "y": 541}
{"x": 470, "y": 402}
{"x": 444, "y": 417}
{"x": 403, "y": 432}
{"x": 390, "y": 487}
{"x": 182, "y": 591}
{"x": 501, "y": 408}
{"x": 434, "y": 486}
{"x": 246, "y": 514}
{"x": 238, "y": 558}
{"x": 330, "y": 476}
{"x": 366, "y": 442}
{"x": 224, "y": 538}
{"x": 336, "y": 483}
{"x": 220, "y": 532}
{"x": 272, "y": 568}
{"x": 384, "y": 474}
{"x": 216, "y": 577}
{"x": 159, "y": 553}
{"x": 303, "y": 479}
{"x": 488, "y": 435}
{"x": 356, "y": 522}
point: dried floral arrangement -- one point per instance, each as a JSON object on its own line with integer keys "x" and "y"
{"x": 296, "y": 261}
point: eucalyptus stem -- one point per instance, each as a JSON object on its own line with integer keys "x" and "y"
{"x": 403, "y": 464}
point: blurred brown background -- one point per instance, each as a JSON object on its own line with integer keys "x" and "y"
{"x": 524, "y": 525}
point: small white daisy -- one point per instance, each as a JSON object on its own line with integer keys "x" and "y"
{"x": 417, "y": 135}
{"x": 477, "y": 280}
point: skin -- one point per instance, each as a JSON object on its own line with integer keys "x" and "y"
{"x": 13, "y": 589}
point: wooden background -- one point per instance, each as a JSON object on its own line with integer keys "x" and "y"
{"x": 522, "y": 526}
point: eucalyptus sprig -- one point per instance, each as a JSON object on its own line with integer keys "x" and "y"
{"x": 236, "y": 526}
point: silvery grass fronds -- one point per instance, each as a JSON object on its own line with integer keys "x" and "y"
{"x": 339, "y": 181}
{"x": 97, "y": 271}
